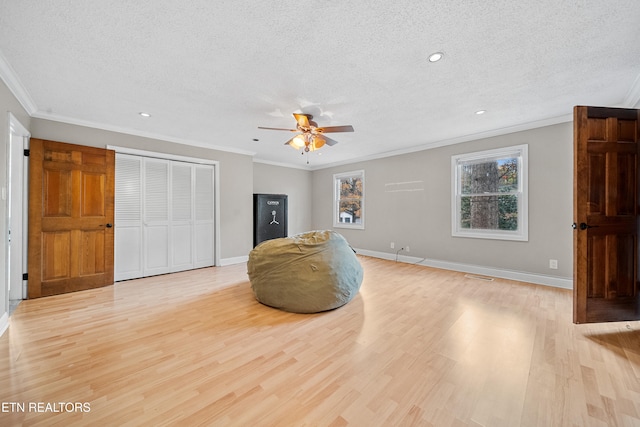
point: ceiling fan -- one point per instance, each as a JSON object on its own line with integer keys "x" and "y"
{"x": 311, "y": 137}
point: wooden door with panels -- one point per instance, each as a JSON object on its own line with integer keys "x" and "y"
{"x": 71, "y": 210}
{"x": 605, "y": 203}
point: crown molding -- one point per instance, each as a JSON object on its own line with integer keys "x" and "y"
{"x": 10, "y": 78}
{"x": 458, "y": 140}
{"x": 282, "y": 164}
{"x": 143, "y": 134}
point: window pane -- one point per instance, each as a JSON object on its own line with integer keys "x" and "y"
{"x": 490, "y": 193}
{"x": 349, "y": 200}
{"x": 498, "y": 175}
{"x": 349, "y": 211}
{"x": 489, "y": 212}
{"x": 351, "y": 188}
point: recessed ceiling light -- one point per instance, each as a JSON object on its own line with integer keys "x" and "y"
{"x": 436, "y": 56}
{"x": 143, "y": 114}
{"x": 479, "y": 112}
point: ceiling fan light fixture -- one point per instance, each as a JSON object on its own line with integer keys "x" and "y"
{"x": 311, "y": 137}
{"x": 298, "y": 142}
{"x": 316, "y": 143}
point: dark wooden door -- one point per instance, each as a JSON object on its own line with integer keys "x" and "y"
{"x": 605, "y": 203}
{"x": 71, "y": 201}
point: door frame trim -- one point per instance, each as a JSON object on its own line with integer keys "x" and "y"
{"x": 15, "y": 127}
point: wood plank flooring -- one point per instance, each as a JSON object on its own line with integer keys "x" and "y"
{"x": 417, "y": 347}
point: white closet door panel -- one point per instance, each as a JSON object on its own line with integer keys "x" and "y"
{"x": 181, "y": 216}
{"x": 181, "y": 192}
{"x": 128, "y": 253}
{"x": 128, "y": 196}
{"x": 182, "y": 247}
{"x": 156, "y": 190}
{"x": 156, "y": 217}
{"x": 156, "y": 253}
{"x": 204, "y": 216}
{"x": 128, "y": 217}
{"x": 204, "y": 245}
{"x": 204, "y": 193}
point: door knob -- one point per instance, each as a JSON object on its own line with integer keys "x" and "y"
{"x": 109, "y": 225}
{"x": 582, "y": 226}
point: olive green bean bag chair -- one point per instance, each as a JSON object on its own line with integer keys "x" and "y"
{"x": 305, "y": 273}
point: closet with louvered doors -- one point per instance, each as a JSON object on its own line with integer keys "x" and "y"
{"x": 164, "y": 216}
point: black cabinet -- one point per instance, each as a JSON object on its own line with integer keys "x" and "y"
{"x": 269, "y": 217}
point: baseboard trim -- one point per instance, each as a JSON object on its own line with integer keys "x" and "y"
{"x": 234, "y": 260}
{"x": 539, "y": 279}
{"x": 4, "y": 323}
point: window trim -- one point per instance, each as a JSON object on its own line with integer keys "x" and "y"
{"x": 336, "y": 200}
{"x": 522, "y": 232}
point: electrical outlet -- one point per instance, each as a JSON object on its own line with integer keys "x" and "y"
{"x": 407, "y": 248}
{"x": 553, "y": 263}
{"x": 393, "y": 245}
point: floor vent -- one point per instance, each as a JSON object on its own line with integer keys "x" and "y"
{"x": 473, "y": 276}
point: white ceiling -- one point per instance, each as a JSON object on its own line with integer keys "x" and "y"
{"x": 210, "y": 73}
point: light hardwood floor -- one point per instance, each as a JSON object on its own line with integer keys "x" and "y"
{"x": 417, "y": 346}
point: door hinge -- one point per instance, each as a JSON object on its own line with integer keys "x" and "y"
{"x": 25, "y": 276}
{"x": 26, "y": 152}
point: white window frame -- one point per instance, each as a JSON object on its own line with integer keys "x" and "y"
{"x": 522, "y": 231}
{"x": 336, "y": 200}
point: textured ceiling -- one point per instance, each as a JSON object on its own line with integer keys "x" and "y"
{"x": 210, "y": 73}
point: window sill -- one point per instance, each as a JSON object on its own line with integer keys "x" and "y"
{"x": 479, "y": 234}
{"x": 351, "y": 226}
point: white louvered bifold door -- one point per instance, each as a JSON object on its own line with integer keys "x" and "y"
{"x": 181, "y": 216}
{"x": 204, "y": 215}
{"x": 164, "y": 216}
{"x": 128, "y": 218}
{"x": 156, "y": 217}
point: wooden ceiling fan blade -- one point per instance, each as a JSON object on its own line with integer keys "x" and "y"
{"x": 330, "y": 129}
{"x": 302, "y": 119}
{"x": 310, "y": 136}
{"x": 330, "y": 142}
{"x": 290, "y": 130}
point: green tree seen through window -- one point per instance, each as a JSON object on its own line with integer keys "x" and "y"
{"x": 487, "y": 197}
{"x": 350, "y": 199}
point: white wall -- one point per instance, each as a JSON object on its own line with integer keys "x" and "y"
{"x": 422, "y": 218}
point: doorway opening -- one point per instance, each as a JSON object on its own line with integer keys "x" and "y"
{"x": 17, "y": 211}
